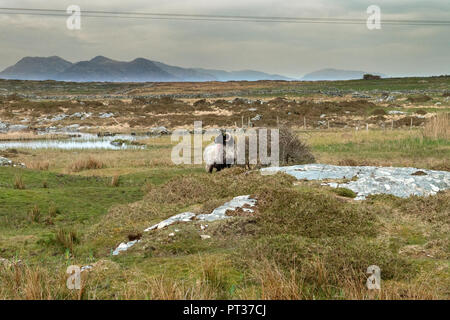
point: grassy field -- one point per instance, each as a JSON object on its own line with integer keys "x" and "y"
{"x": 304, "y": 241}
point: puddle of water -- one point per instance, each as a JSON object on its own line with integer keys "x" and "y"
{"x": 84, "y": 141}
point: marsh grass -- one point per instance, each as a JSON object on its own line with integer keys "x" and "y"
{"x": 66, "y": 238}
{"x": 18, "y": 182}
{"x": 38, "y": 165}
{"x": 115, "y": 181}
{"x": 34, "y": 215}
{"x": 438, "y": 127}
{"x": 85, "y": 164}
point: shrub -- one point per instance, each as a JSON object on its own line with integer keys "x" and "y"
{"x": 292, "y": 149}
{"x": 344, "y": 192}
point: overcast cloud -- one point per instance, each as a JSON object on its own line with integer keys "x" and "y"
{"x": 284, "y": 48}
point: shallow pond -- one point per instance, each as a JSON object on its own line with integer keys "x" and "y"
{"x": 81, "y": 141}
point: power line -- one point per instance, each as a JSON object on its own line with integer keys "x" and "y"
{"x": 219, "y": 18}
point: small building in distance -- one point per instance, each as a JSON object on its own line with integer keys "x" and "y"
{"x": 369, "y": 76}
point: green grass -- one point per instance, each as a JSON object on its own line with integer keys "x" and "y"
{"x": 408, "y": 150}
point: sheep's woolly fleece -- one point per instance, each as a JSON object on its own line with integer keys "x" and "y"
{"x": 367, "y": 180}
{"x": 217, "y": 214}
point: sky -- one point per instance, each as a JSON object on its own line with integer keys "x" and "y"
{"x": 283, "y": 48}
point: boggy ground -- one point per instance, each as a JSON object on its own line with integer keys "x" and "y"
{"x": 304, "y": 240}
{"x": 135, "y": 107}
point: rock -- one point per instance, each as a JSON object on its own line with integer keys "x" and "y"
{"x": 5, "y": 162}
{"x": 17, "y": 127}
{"x": 256, "y": 118}
{"x": 182, "y": 217}
{"x": 360, "y": 95}
{"x": 205, "y": 236}
{"x": 106, "y": 115}
{"x": 396, "y": 112}
{"x": 116, "y": 143}
{"x": 400, "y": 182}
{"x": 158, "y": 131}
{"x": 124, "y": 247}
{"x": 59, "y": 117}
{"x": 3, "y": 127}
{"x": 72, "y": 128}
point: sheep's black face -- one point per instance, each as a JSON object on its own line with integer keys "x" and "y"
{"x": 224, "y": 139}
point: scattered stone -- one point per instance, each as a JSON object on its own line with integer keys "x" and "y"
{"x": 360, "y": 95}
{"x": 158, "y": 131}
{"x": 3, "y": 127}
{"x": 5, "y": 162}
{"x": 220, "y": 212}
{"x": 17, "y": 127}
{"x": 396, "y": 112}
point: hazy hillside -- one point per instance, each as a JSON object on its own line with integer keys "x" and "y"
{"x": 336, "y": 74}
{"x": 104, "y": 69}
{"x": 249, "y": 75}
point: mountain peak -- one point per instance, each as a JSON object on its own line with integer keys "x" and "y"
{"x": 100, "y": 59}
{"x": 36, "y": 68}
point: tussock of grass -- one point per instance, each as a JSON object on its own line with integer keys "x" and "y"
{"x": 34, "y": 283}
{"x": 438, "y": 127}
{"x": 34, "y": 215}
{"x": 38, "y": 165}
{"x": 18, "y": 183}
{"x": 115, "y": 181}
{"x": 85, "y": 164}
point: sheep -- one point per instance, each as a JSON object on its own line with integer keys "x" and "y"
{"x": 219, "y": 154}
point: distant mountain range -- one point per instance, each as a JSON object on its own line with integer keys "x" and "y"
{"x": 104, "y": 69}
{"x": 335, "y": 74}
{"x": 140, "y": 70}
